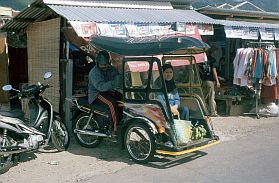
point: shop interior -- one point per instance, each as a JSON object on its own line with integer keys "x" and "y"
{"x": 248, "y": 97}
{"x": 82, "y": 64}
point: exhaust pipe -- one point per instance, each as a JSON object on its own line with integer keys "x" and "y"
{"x": 13, "y": 150}
{"x": 87, "y": 132}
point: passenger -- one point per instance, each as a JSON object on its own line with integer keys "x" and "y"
{"x": 103, "y": 78}
{"x": 173, "y": 96}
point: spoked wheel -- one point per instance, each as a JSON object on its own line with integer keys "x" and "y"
{"x": 84, "y": 140}
{"x": 60, "y": 135}
{"x": 140, "y": 143}
{"x": 6, "y": 161}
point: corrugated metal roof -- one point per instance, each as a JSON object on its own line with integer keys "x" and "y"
{"x": 92, "y": 14}
{"x": 245, "y": 13}
{"x": 39, "y": 10}
{"x": 113, "y": 4}
{"x": 27, "y": 16}
{"x": 248, "y": 24}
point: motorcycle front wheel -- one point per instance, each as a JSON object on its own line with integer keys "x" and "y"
{"x": 6, "y": 161}
{"x": 84, "y": 140}
{"x": 60, "y": 135}
{"x": 140, "y": 143}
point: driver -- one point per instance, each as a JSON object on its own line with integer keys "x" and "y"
{"x": 103, "y": 78}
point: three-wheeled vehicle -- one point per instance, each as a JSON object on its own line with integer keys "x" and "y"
{"x": 147, "y": 126}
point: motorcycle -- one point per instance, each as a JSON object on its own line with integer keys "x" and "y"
{"x": 44, "y": 126}
{"x": 91, "y": 123}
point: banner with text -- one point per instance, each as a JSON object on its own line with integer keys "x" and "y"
{"x": 267, "y": 34}
{"x": 276, "y": 34}
{"x": 250, "y": 33}
{"x": 88, "y": 29}
{"x": 233, "y": 32}
{"x": 111, "y": 30}
{"x": 84, "y": 29}
{"x": 206, "y": 29}
{"x": 145, "y": 29}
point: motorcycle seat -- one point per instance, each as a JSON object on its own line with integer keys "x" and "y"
{"x": 16, "y": 113}
{"x": 84, "y": 103}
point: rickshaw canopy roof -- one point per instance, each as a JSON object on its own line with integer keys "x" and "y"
{"x": 150, "y": 46}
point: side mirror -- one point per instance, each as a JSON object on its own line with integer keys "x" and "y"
{"x": 7, "y": 87}
{"x": 47, "y": 75}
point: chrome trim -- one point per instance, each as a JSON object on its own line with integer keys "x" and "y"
{"x": 87, "y": 132}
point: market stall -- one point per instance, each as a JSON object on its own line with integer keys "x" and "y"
{"x": 249, "y": 52}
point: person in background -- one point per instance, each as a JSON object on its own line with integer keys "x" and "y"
{"x": 103, "y": 78}
{"x": 173, "y": 96}
{"x": 210, "y": 80}
{"x": 221, "y": 69}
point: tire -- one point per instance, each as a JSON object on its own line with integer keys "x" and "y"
{"x": 60, "y": 135}
{"x": 140, "y": 143}
{"x": 6, "y": 161}
{"x": 89, "y": 141}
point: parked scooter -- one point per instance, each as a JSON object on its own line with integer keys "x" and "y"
{"x": 44, "y": 125}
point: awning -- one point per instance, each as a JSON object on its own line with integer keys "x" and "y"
{"x": 93, "y": 14}
{"x": 250, "y": 30}
{"x": 247, "y": 24}
{"x": 113, "y": 3}
{"x": 239, "y": 13}
{"x": 85, "y": 13}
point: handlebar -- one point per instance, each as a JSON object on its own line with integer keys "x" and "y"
{"x": 13, "y": 97}
{"x": 31, "y": 90}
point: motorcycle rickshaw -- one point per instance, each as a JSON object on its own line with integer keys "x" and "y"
{"x": 147, "y": 126}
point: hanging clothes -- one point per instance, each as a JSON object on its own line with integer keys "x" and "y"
{"x": 254, "y": 61}
{"x": 252, "y": 65}
{"x": 270, "y": 93}
{"x": 236, "y": 61}
{"x": 259, "y": 66}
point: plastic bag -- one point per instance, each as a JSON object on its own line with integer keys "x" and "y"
{"x": 183, "y": 130}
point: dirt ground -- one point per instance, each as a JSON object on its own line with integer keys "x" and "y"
{"x": 78, "y": 164}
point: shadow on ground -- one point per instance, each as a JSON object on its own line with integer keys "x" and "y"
{"x": 110, "y": 150}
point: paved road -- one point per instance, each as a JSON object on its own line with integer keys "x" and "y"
{"x": 250, "y": 159}
{"x": 248, "y": 153}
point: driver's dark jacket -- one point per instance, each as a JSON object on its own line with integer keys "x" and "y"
{"x": 100, "y": 81}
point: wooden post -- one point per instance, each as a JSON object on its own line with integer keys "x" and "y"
{"x": 67, "y": 80}
{"x": 4, "y": 71}
{"x": 227, "y": 67}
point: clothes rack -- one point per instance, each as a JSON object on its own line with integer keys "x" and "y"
{"x": 257, "y": 87}
{"x": 260, "y": 44}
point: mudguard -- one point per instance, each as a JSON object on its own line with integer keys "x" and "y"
{"x": 151, "y": 126}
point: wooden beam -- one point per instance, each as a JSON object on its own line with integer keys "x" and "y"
{"x": 24, "y": 20}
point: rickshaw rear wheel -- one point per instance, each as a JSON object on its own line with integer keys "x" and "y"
{"x": 89, "y": 141}
{"x": 140, "y": 143}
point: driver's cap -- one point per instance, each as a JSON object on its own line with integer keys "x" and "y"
{"x": 103, "y": 57}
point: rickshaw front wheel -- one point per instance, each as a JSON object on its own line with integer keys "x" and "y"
{"x": 89, "y": 141}
{"x": 140, "y": 143}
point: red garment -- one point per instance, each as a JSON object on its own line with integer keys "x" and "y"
{"x": 277, "y": 79}
{"x": 271, "y": 93}
{"x": 254, "y": 61}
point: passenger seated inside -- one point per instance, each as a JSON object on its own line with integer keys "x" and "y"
{"x": 173, "y": 96}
